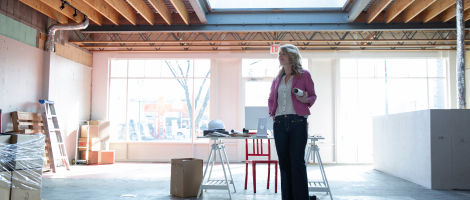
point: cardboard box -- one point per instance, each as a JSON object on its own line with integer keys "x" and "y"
{"x": 92, "y": 156}
{"x": 28, "y": 150}
{"x": 106, "y": 157}
{"x": 94, "y": 143}
{"x": 26, "y": 184}
{"x": 186, "y": 177}
{"x": 89, "y": 131}
{"x": 5, "y": 185}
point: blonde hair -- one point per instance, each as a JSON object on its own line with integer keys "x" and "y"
{"x": 295, "y": 60}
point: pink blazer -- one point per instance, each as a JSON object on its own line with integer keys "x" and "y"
{"x": 305, "y": 83}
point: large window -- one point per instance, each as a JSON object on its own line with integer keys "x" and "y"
{"x": 155, "y": 100}
{"x": 258, "y": 75}
{"x": 371, "y": 87}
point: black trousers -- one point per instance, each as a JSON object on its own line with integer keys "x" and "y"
{"x": 290, "y": 136}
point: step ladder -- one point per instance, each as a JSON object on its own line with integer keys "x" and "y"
{"x": 54, "y": 139}
{"x": 312, "y": 152}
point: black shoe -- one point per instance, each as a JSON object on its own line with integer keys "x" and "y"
{"x": 313, "y": 197}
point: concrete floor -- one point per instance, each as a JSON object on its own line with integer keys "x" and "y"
{"x": 152, "y": 181}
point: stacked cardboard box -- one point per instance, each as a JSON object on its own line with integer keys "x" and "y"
{"x": 21, "y": 158}
{"x": 95, "y": 133}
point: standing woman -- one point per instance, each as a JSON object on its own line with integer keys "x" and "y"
{"x": 290, "y": 112}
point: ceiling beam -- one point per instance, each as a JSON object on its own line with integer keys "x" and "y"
{"x": 143, "y": 9}
{"x": 416, "y": 8}
{"x": 376, "y": 8}
{"x": 268, "y": 45}
{"x": 272, "y": 27}
{"x": 450, "y": 13}
{"x": 125, "y": 10}
{"x": 162, "y": 10}
{"x": 67, "y": 11}
{"x": 46, "y": 10}
{"x": 200, "y": 10}
{"x": 182, "y": 11}
{"x": 104, "y": 9}
{"x": 87, "y": 10}
{"x": 437, "y": 8}
{"x": 357, "y": 9}
{"x": 256, "y": 41}
{"x": 396, "y": 8}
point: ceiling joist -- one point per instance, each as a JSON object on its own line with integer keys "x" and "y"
{"x": 182, "y": 11}
{"x": 450, "y": 13}
{"x": 143, "y": 10}
{"x": 376, "y": 8}
{"x": 91, "y": 13}
{"x": 437, "y": 8}
{"x": 104, "y": 9}
{"x": 416, "y": 8}
{"x": 124, "y": 9}
{"x": 161, "y": 8}
{"x": 46, "y": 10}
{"x": 397, "y": 7}
{"x": 66, "y": 10}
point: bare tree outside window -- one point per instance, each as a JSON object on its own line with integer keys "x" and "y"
{"x": 181, "y": 71}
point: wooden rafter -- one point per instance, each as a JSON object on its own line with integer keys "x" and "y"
{"x": 437, "y": 8}
{"x": 87, "y": 10}
{"x": 466, "y": 15}
{"x": 105, "y": 9}
{"x": 451, "y": 12}
{"x": 125, "y": 10}
{"x": 182, "y": 11}
{"x": 46, "y": 10}
{"x": 199, "y": 10}
{"x": 396, "y": 8}
{"x": 161, "y": 8}
{"x": 416, "y": 8}
{"x": 376, "y": 8}
{"x": 67, "y": 11}
{"x": 143, "y": 9}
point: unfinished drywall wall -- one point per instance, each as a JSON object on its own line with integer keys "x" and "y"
{"x": 21, "y": 70}
{"x": 70, "y": 88}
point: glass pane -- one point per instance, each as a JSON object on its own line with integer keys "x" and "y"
{"x": 406, "y": 95}
{"x": 117, "y": 109}
{"x": 201, "y": 105}
{"x": 202, "y": 68}
{"x": 437, "y": 91}
{"x": 368, "y": 67}
{"x": 243, "y": 4}
{"x": 178, "y": 68}
{"x": 154, "y": 68}
{"x": 417, "y": 67}
{"x": 158, "y": 113}
{"x": 348, "y": 67}
{"x": 397, "y": 68}
{"x": 260, "y": 67}
{"x": 257, "y": 92}
{"x": 436, "y": 68}
{"x": 136, "y": 68}
{"x": 118, "y": 68}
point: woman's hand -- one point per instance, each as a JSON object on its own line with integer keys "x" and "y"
{"x": 304, "y": 98}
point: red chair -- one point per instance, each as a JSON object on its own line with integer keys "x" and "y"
{"x": 258, "y": 152}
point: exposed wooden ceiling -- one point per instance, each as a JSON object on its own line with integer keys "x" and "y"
{"x": 119, "y": 12}
{"x": 188, "y": 25}
{"x": 405, "y": 11}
